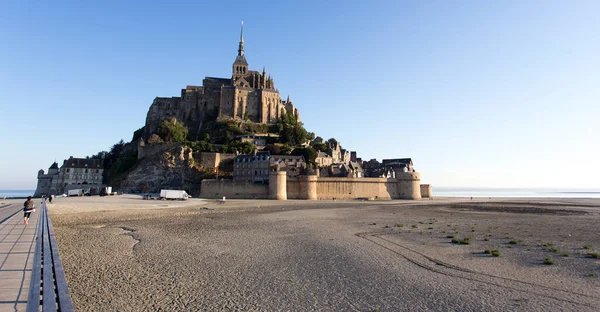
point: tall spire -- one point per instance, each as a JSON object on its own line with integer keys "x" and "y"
{"x": 241, "y": 47}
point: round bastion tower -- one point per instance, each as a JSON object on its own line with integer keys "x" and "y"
{"x": 409, "y": 185}
{"x": 278, "y": 185}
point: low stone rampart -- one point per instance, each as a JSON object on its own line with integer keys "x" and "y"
{"x": 426, "y": 191}
{"x": 404, "y": 186}
{"x": 212, "y": 188}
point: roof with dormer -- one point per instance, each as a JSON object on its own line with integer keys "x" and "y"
{"x": 91, "y": 163}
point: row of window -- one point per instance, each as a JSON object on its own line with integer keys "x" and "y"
{"x": 82, "y": 170}
{"x": 253, "y": 159}
{"x": 255, "y": 165}
{"x": 256, "y": 172}
{"x": 82, "y": 177}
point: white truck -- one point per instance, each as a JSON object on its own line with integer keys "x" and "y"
{"x": 75, "y": 192}
{"x": 174, "y": 194}
{"x": 105, "y": 191}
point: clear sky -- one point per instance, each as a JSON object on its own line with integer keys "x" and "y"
{"x": 478, "y": 93}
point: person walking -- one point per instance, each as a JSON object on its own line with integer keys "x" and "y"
{"x": 28, "y": 208}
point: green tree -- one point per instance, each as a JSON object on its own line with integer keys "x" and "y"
{"x": 154, "y": 139}
{"x": 320, "y": 146}
{"x": 172, "y": 130}
{"x": 285, "y": 149}
{"x": 332, "y": 141}
{"x": 309, "y": 154}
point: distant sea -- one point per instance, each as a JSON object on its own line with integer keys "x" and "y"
{"x": 16, "y": 193}
{"x": 514, "y": 192}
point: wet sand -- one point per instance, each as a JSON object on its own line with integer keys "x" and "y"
{"x": 128, "y": 254}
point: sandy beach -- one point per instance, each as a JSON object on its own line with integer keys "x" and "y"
{"x": 128, "y": 254}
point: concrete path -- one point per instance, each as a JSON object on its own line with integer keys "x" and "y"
{"x": 17, "y": 248}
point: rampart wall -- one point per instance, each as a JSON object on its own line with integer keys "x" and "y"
{"x": 405, "y": 186}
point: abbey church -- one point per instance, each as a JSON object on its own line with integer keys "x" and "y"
{"x": 248, "y": 95}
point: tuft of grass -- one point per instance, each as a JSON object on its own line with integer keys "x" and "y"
{"x": 387, "y": 226}
{"x": 554, "y": 249}
{"x": 486, "y": 239}
{"x": 513, "y": 242}
{"x": 421, "y": 232}
{"x": 587, "y": 246}
{"x": 594, "y": 255}
{"x": 399, "y": 225}
{"x": 472, "y": 230}
{"x": 547, "y": 244}
{"x": 449, "y": 236}
{"x": 464, "y": 241}
{"x": 373, "y": 223}
{"x": 414, "y": 226}
{"x": 566, "y": 254}
{"x": 430, "y": 228}
{"x": 493, "y": 252}
{"x": 548, "y": 261}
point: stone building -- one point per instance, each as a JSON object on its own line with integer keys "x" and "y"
{"x": 255, "y": 168}
{"x": 293, "y": 165}
{"x": 252, "y": 168}
{"x": 47, "y": 182}
{"x": 74, "y": 173}
{"x": 323, "y": 159}
{"x": 248, "y": 95}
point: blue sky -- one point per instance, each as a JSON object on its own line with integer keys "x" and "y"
{"x": 478, "y": 93}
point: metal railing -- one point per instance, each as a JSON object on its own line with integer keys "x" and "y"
{"x": 48, "y": 289}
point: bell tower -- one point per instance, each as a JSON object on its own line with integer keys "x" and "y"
{"x": 240, "y": 66}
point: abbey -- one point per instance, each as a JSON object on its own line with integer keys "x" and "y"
{"x": 248, "y": 95}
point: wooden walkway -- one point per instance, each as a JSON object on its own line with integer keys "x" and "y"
{"x": 31, "y": 273}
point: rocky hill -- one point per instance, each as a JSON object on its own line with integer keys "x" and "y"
{"x": 171, "y": 166}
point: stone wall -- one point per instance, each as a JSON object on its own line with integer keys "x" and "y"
{"x": 407, "y": 186}
{"x": 212, "y": 188}
{"x": 426, "y": 191}
{"x": 351, "y": 188}
{"x": 151, "y": 150}
{"x": 211, "y": 160}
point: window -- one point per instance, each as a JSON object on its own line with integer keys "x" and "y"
{"x": 68, "y": 170}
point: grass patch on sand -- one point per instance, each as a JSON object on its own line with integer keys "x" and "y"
{"x": 554, "y": 249}
{"x": 399, "y": 225}
{"x": 587, "y": 246}
{"x": 493, "y": 252}
{"x": 513, "y": 242}
{"x": 594, "y": 255}
{"x": 464, "y": 241}
{"x": 548, "y": 261}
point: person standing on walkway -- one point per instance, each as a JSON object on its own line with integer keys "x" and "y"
{"x": 28, "y": 208}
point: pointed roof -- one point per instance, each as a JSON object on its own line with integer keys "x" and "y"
{"x": 54, "y": 166}
{"x": 240, "y": 59}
